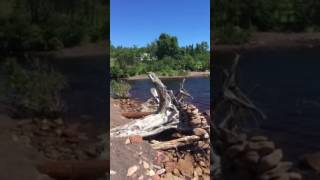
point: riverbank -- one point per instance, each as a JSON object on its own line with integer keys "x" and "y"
{"x": 273, "y": 40}
{"x": 190, "y": 74}
{"x": 134, "y": 158}
{"x": 18, "y": 159}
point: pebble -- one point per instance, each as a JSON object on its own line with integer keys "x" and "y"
{"x": 145, "y": 165}
{"x": 112, "y": 172}
{"x": 132, "y": 170}
{"x": 161, "y": 171}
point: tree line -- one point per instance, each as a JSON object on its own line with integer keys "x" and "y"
{"x": 236, "y": 19}
{"x": 163, "y": 56}
{"x": 40, "y": 25}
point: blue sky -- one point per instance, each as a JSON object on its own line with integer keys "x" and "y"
{"x": 138, "y": 22}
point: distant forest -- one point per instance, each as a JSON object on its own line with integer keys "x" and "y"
{"x": 42, "y": 25}
{"x": 235, "y": 20}
{"x": 163, "y": 56}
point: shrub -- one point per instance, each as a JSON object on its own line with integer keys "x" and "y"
{"x": 34, "y": 92}
{"x": 120, "y": 89}
{"x": 54, "y": 44}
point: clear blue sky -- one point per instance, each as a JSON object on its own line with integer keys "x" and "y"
{"x": 138, "y": 22}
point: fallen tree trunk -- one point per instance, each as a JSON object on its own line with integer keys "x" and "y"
{"x": 173, "y": 144}
{"x": 75, "y": 169}
{"x": 166, "y": 117}
{"x": 136, "y": 115}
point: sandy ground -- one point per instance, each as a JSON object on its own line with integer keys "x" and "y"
{"x": 123, "y": 156}
{"x": 190, "y": 74}
{"x": 17, "y": 159}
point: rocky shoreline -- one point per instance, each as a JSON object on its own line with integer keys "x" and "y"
{"x": 56, "y": 140}
{"x": 191, "y": 162}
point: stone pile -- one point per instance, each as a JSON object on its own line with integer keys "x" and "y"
{"x": 254, "y": 158}
{"x": 185, "y": 165}
{"x": 57, "y": 141}
{"x": 199, "y": 124}
{"x": 191, "y": 162}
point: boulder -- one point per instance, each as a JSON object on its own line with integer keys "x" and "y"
{"x": 263, "y": 147}
{"x": 185, "y": 166}
{"x": 270, "y": 161}
{"x": 252, "y": 157}
{"x": 312, "y": 161}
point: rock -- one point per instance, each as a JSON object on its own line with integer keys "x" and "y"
{"x": 72, "y": 140}
{"x": 159, "y": 158}
{"x": 312, "y": 161}
{"x": 185, "y": 166}
{"x": 263, "y": 147}
{"x": 161, "y": 171}
{"x": 176, "y": 172}
{"x": 132, "y": 170}
{"x": 169, "y": 166}
{"x": 252, "y": 157}
{"x": 232, "y": 138}
{"x": 156, "y": 177}
{"x": 198, "y": 170}
{"x": 24, "y": 122}
{"x": 281, "y": 168}
{"x": 201, "y": 163}
{"x": 206, "y": 177}
{"x": 145, "y": 165}
{"x": 91, "y": 151}
{"x": 150, "y": 173}
{"x": 203, "y": 145}
{"x": 170, "y": 176}
{"x": 270, "y": 161}
{"x": 127, "y": 141}
{"x": 140, "y": 177}
{"x": 135, "y": 139}
{"x": 258, "y": 138}
{"x": 295, "y": 176}
{"x": 58, "y": 132}
{"x": 199, "y": 132}
{"x": 45, "y": 127}
{"x": 58, "y": 121}
{"x": 195, "y": 121}
{"x": 234, "y": 150}
{"x": 112, "y": 172}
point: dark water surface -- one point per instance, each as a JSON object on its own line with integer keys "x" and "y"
{"x": 87, "y": 93}
{"x": 198, "y": 87}
{"x": 285, "y": 84}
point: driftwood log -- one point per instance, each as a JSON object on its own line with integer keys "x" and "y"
{"x": 135, "y": 115}
{"x": 90, "y": 169}
{"x": 166, "y": 117}
{"x": 172, "y": 113}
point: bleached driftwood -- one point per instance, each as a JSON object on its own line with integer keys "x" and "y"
{"x": 173, "y": 144}
{"x": 166, "y": 117}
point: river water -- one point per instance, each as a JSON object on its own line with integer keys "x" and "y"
{"x": 87, "y": 92}
{"x": 285, "y": 84}
{"x": 198, "y": 87}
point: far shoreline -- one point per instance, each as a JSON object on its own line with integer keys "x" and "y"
{"x": 189, "y": 75}
{"x": 272, "y": 40}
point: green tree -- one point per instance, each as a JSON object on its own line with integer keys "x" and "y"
{"x": 167, "y": 46}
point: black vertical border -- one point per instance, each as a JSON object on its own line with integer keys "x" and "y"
{"x": 108, "y": 88}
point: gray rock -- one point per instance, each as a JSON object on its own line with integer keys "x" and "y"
{"x": 295, "y": 176}
{"x": 252, "y": 157}
{"x": 281, "y": 168}
{"x": 263, "y": 147}
{"x": 258, "y": 138}
{"x": 234, "y": 150}
{"x": 270, "y": 161}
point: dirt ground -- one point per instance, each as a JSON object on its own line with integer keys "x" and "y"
{"x": 122, "y": 155}
{"x": 17, "y": 159}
